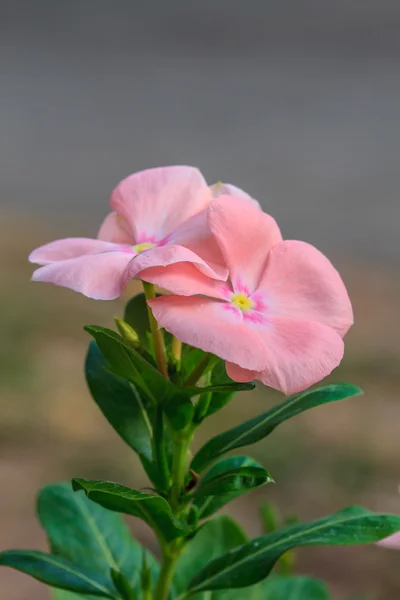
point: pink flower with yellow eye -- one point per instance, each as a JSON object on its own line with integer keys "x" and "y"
{"x": 159, "y": 219}
{"x": 281, "y": 315}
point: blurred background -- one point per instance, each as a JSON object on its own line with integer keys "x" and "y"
{"x": 297, "y": 102}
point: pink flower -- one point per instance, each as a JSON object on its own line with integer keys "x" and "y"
{"x": 281, "y": 316}
{"x": 159, "y": 220}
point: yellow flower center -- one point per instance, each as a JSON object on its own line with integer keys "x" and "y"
{"x": 242, "y": 302}
{"x": 142, "y": 247}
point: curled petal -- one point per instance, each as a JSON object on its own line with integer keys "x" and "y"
{"x": 298, "y": 355}
{"x": 211, "y": 326}
{"x": 184, "y": 279}
{"x": 245, "y": 236}
{"x": 227, "y": 189}
{"x": 156, "y": 201}
{"x": 115, "y": 229}
{"x": 68, "y": 248}
{"x": 196, "y": 235}
{"x": 97, "y": 276}
{"x": 301, "y": 283}
{"x": 163, "y": 256}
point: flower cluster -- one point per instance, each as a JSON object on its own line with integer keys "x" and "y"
{"x": 275, "y": 310}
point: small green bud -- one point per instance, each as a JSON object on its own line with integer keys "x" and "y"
{"x": 127, "y": 332}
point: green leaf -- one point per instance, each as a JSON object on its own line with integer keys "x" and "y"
{"x": 129, "y": 364}
{"x": 57, "y": 572}
{"x": 86, "y": 534}
{"x": 121, "y": 404}
{"x": 293, "y": 588}
{"x": 228, "y": 479}
{"x": 151, "y": 508}
{"x": 220, "y": 399}
{"x": 214, "y": 539}
{"x": 230, "y": 388}
{"x": 64, "y": 595}
{"x": 259, "y": 427}
{"x": 253, "y": 561}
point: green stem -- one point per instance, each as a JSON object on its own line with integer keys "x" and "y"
{"x": 205, "y": 363}
{"x": 179, "y": 469}
{"x": 159, "y": 451}
{"x": 204, "y": 402}
{"x": 165, "y": 578}
{"x": 156, "y": 332}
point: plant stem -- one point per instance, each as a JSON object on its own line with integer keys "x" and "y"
{"x": 176, "y": 349}
{"x": 165, "y": 577}
{"x": 179, "y": 469}
{"x": 198, "y": 371}
{"x": 159, "y": 450}
{"x": 158, "y": 339}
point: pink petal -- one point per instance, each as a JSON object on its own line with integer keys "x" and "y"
{"x": 227, "y": 189}
{"x": 97, "y": 276}
{"x": 298, "y": 353}
{"x": 196, "y": 235}
{"x": 68, "y": 248}
{"x": 245, "y": 236}
{"x": 392, "y": 541}
{"x": 208, "y": 324}
{"x": 156, "y": 201}
{"x": 301, "y": 283}
{"x": 115, "y": 229}
{"x": 184, "y": 279}
{"x": 163, "y": 256}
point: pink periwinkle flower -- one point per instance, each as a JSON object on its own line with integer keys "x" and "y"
{"x": 158, "y": 219}
{"x": 281, "y": 315}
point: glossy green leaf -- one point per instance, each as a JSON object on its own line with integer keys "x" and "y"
{"x": 253, "y": 561}
{"x": 220, "y": 399}
{"x": 226, "y": 480}
{"x": 293, "y": 588}
{"x": 229, "y": 388}
{"x": 120, "y": 402}
{"x": 64, "y": 595}
{"x": 214, "y": 539}
{"x": 151, "y": 508}
{"x": 88, "y": 535}
{"x": 130, "y": 365}
{"x": 57, "y": 572}
{"x": 259, "y": 427}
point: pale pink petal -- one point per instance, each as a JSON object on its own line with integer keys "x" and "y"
{"x": 239, "y": 374}
{"x": 115, "y": 229}
{"x": 156, "y": 201}
{"x": 97, "y": 276}
{"x": 163, "y": 256}
{"x": 227, "y": 189}
{"x": 196, "y": 235}
{"x": 245, "y": 236}
{"x": 184, "y": 279}
{"x": 392, "y": 541}
{"x": 68, "y": 248}
{"x": 301, "y": 283}
{"x": 298, "y": 354}
{"x": 211, "y": 326}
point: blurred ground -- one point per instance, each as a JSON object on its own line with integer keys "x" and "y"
{"x": 323, "y": 460}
